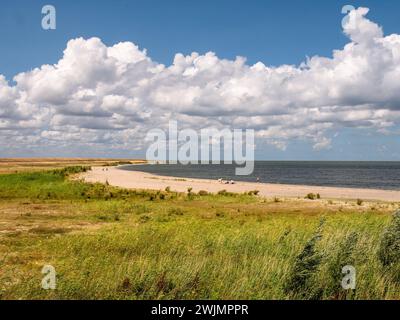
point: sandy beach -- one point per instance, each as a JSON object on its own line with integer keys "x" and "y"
{"x": 141, "y": 180}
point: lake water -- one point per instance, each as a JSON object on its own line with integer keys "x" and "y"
{"x": 373, "y": 175}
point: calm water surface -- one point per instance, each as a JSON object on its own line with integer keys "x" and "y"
{"x": 373, "y": 175}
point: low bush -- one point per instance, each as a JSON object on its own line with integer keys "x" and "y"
{"x": 313, "y": 196}
{"x": 389, "y": 249}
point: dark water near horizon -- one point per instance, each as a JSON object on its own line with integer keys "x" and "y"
{"x": 371, "y": 175}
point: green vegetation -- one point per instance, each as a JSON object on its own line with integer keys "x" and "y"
{"x": 341, "y": 257}
{"x": 312, "y": 196}
{"x": 202, "y": 193}
{"x": 19, "y": 165}
{"x": 301, "y": 280}
{"x": 111, "y": 243}
{"x": 276, "y": 199}
{"x": 253, "y": 193}
{"x": 389, "y": 250}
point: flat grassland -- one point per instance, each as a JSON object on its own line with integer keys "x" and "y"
{"x": 15, "y": 165}
{"x": 112, "y": 243}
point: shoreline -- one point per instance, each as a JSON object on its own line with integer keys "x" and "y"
{"x": 143, "y": 180}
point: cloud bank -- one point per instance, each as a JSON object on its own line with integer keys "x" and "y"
{"x": 107, "y": 98}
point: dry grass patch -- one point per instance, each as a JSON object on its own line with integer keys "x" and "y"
{"x": 18, "y": 165}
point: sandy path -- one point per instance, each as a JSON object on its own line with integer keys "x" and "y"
{"x": 142, "y": 180}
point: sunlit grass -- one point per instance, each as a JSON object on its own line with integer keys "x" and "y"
{"x": 109, "y": 243}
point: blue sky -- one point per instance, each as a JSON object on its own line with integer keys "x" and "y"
{"x": 273, "y": 32}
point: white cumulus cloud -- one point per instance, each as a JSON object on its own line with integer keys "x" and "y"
{"x": 109, "y": 97}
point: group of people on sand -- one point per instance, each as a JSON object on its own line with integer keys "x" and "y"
{"x": 231, "y": 181}
{"x": 226, "y": 181}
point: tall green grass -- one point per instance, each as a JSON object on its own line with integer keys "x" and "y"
{"x": 54, "y": 185}
{"x": 177, "y": 246}
{"x": 42, "y": 185}
{"x": 193, "y": 258}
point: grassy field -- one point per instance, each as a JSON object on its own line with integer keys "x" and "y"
{"x": 109, "y": 243}
{"x": 17, "y": 165}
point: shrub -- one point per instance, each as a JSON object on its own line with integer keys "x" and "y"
{"x": 203, "y": 193}
{"x": 226, "y": 193}
{"x": 65, "y": 172}
{"x": 389, "y": 249}
{"x": 253, "y": 193}
{"x": 311, "y": 196}
{"x": 301, "y": 279}
{"x": 190, "y": 194}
